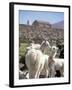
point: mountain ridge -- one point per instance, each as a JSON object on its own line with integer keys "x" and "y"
{"x": 58, "y": 25}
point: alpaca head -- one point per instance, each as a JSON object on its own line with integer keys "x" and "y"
{"x": 54, "y": 48}
{"x": 45, "y": 45}
{"x": 54, "y": 51}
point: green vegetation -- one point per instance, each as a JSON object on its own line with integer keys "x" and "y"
{"x": 22, "y": 51}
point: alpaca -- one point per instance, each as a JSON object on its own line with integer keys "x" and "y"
{"x": 33, "y": 45}
{"x": 59, "y": 65}
{"x": 45, "y": 70}
{"x": 45, "y": 45}
{"x": 48, "y": 69}
{"x": 55, "y": 63}
{"x": 39, "y": 47}
{"x": 35, "y": 60}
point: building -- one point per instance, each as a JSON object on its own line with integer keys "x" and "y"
{"x": 41, "y": 24}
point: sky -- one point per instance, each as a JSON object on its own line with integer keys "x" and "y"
{"x": 51, "y": 17}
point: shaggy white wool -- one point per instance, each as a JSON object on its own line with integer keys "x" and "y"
{"x": 35, "y": 62}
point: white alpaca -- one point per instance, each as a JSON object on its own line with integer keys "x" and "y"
{"x": 48, "y": 69}
{"x": 33, "y": 45}
{"x": 56, "y": 63}
{"x": 59, "y": 65}
{"x": 45, "y": 70}
{"x": 43, "y": 47}
{"x": 35, "y": 60}
{"x": 36, "y": 46}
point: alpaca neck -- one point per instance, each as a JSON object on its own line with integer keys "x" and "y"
{"x": 42, "y": 49}
{"x": 52, "y": 54}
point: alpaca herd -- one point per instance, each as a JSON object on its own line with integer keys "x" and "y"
{"x": 41, "y": 64}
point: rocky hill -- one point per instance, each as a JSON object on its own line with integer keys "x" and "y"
{"x": 59, "y": 25}
{"x": 39, "y": 31}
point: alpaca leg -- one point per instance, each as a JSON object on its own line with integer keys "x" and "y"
{"x": 47, "y": 73}
{"x": 52, "y": 72}
{"x": 33, "y": 73}
{"x": 62, "y": 74}
{"x": 46, "y": 68}
{"x": 62, "y": 71}
{"x": 38, "y": 72}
